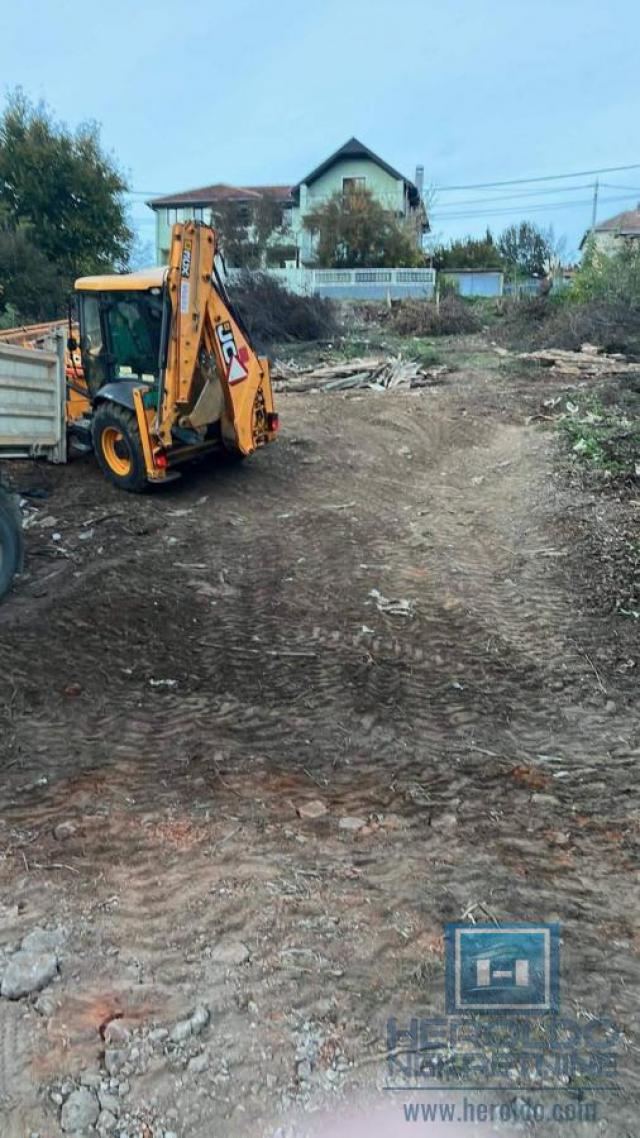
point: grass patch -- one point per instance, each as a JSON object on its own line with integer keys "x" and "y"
{"x": 474, "y": 358}
{"x": 417, "y": 348}
{"x": 605, "y": 438}
{"x": 382, "y": 341}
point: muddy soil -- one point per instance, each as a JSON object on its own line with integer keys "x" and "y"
{"x": 184, "y": 673}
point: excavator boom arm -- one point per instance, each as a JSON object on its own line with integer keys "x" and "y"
{"x": 206, "y": 335}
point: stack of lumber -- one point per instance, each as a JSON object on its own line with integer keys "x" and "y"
{"x": 377, "y": 373}
{"x": 31, "y": 335}
{"x": 589, "y": 361}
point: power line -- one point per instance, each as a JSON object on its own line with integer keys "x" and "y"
{"x": 512, "y": 208}
{"x": 543, "y": 178}
{"x": 470, "y": 185}
{"x": 486, "y": 185}
{"x": 479, "y": 215}
{"x": 512, "y": 196}
{"x": 613, "y": 186}
{"x": 435, "y": 215}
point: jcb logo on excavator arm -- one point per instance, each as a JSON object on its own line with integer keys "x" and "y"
{"x": 227, "y": 343}
{"x": 237, "y": 371}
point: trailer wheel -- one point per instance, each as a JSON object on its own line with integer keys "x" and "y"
{"x": 10, "y": 541}
{"x": 118, "y": 448}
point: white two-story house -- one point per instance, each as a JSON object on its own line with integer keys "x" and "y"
{"x": 352, "y": 166}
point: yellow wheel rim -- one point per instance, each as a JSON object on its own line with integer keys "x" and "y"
{"x": 115, "y": 449}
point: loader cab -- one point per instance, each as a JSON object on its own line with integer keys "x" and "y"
{"x": 121, "y": 328}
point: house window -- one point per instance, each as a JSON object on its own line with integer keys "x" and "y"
{"x": 353, "y": 185}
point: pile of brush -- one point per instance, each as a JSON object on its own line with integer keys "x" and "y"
{"x": 272, "y": 314}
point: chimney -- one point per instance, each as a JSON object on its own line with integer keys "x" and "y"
{"x": 420, "y": 179}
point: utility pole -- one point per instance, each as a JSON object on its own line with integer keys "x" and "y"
{"x": 594, "y": 209}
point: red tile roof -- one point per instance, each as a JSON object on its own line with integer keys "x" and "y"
{"x": 209, "y": 195}
{"x": 627, "y": 222}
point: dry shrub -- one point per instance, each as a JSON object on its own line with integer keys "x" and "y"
{"x": 612, "y": 326}
{"x": 272, "y": 314}
{"x": 423, "y": 318}
{"x": 365, "y": 312}
{"x": 542, "y": 323}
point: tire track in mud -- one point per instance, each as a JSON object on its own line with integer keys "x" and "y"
{"x": 286, "y": 683}
{"x": 19, "y": 1106}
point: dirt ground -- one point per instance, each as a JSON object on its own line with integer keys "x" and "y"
{"x": 184, "y": 673}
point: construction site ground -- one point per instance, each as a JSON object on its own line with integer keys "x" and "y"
{"x": 236, "y": 777}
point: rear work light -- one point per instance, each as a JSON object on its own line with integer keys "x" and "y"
{"x": 273, "y": 420}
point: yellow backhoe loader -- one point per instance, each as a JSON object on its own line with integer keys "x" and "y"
{"x": 164, "y": 368}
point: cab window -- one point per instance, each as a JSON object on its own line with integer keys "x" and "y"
{"x": 93, "y": 355}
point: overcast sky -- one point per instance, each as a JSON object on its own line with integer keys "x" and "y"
{"x": 251, "y": 92}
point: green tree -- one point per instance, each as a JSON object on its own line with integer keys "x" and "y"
{"x": 31, "y": 288}
{"x": 246, "y": 230}
{"x": 267, "y": 221}
{"x": 614, "y": 278}
{"x": 526, "y": 249}
{"x": 469, "y": 253}
{"x": 63, "y": 194}
{"x": 232, "y": 221}
{"x": 353, "y": 230}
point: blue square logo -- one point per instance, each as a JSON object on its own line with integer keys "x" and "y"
{"x": 511, "y": 968}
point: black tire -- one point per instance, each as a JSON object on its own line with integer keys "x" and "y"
{"x": 231, "y": 454}
{"x": 121, "y": 461}
{"x": 11, "y": 544}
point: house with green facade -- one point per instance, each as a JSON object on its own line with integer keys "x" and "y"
{"x": 290, "y": 243}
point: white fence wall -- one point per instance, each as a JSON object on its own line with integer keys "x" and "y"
{"x": 32, "y": 401}
{"x": 356, "y": 284}
{"x": 394, "y": 284}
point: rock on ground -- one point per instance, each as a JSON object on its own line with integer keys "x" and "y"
{"x": 45, "y": 940}
{"x": 28, "y": 972}
{"x": 80, "y": 1111}
{"x": 230, "y": 952}
{"x": 106, "y": 1123}
{"x": 349, "y": 823}
{"x": 313, "y": 809}
{"x": 196, "y": 1023}
{"x": 116, "y": 1033}
{"x": 115, "y": 1059}
{"x": 198, "y": 1064}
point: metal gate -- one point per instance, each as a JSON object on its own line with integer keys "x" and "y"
{"x": 32, "y": 401}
